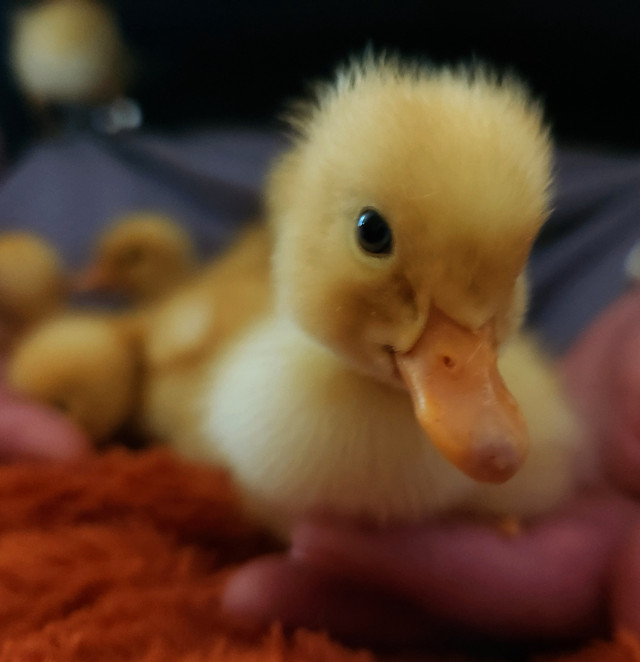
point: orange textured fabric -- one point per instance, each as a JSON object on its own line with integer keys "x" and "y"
{"x": 122, "y": 558}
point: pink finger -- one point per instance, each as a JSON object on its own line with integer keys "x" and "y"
{"x": 276, "y": 588}
{"x": 628, "y": 382}
{"x": 549, "y": 582}
{"x": 30, "y": 431}
{"x": 622, "y": 436}
{"x": 603, "y": 376}
{"x": 626, "y": 585}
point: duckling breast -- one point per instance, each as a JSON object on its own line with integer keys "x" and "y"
{"x": 301, "y": 432}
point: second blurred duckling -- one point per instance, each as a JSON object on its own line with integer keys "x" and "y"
{"x": 142, "y": 255}
{"x": 107, "y": 372}
{"x": 33, "y": 283}
{"x": 88, "y": 365}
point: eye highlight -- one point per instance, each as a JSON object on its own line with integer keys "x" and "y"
{"x": 373, "y": 233}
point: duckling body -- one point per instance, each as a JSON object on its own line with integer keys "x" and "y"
{"x": 367, "y": 384}
{"x": 302, "y": 432}
{"x": 84, "y": 365}
{"x": 143, "y": 368}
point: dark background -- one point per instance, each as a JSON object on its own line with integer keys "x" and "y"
{"x": 200, "y": 61}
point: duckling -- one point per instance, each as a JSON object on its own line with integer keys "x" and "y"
{"x": 69, "y": 52}
{"x": 33, "y": 283}
{"x": 94, "y": 367}
{"x": 83, "y": 365}
{"x": 142, "y": 255}
{"x": 369, "y": 382}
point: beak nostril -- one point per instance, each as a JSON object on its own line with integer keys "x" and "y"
{"x": 448, "y": 362}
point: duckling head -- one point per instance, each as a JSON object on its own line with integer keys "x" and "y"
{"x": 404, "y": 214}
{"x": 33, "y": 281}
{"x": 141, "y": 255}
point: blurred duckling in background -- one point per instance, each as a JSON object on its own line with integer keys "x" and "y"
{"x": 401, "y": 221}
{"x": 142, "y": 256}
{"x": 88, "y": 365}
{"x": 33, "y": 283}
{"x": 69, "y": 54}
{"x": 85, "y": 366}
{"x": 96, "y": 369}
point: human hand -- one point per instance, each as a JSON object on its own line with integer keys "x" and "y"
{"x": 549, "y": 582}
{"x": 603, "y": 375}
{"x": 562, "y": 577}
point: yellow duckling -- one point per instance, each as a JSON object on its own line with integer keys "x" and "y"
{"x": 402, "y": 218}
{"x": 76, "y": 361}
{"x": 86, "y": 366}
{"x": 33, "y": 283}
{"x": 141, "y": 255}
{"x": 68, "y": 52}
{"x": 92, "y": 366}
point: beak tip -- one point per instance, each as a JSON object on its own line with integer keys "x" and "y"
{"x": 495, "y": 459}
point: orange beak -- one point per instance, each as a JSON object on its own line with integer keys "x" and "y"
{"x": 461, "y": 401}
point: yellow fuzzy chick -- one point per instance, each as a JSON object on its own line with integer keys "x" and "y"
{"x": 401, "y": 220}
{"x": 93, "y": 367}
{"x": 33, "y": 283}
{"x": 141, "y": 255}
{"x": 68, "y": 52}
{"x": 85, "y": 366}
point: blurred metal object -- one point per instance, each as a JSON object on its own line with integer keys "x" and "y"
{"x": 123, "y": 114}
{"x": 632, "y": 264}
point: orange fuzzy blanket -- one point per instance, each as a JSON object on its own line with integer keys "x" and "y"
{"x": 122, "y": 558}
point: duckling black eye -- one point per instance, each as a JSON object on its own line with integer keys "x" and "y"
{"x": 374, "y": 233}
